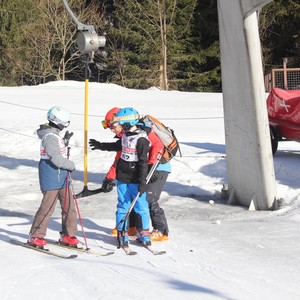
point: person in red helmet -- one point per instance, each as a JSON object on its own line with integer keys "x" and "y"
{"x": 131, "y": 174}
{"x": 155, "y": 186}
{"x": 108, "y": 184}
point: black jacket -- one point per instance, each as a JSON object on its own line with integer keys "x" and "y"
{"x": 131, "y": 172}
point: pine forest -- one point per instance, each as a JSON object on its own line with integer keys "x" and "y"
{"x": 171, "y": 44}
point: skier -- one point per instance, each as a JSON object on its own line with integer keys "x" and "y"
{"x": 131, "y": 172}
{"x": 54, "y": 178}
{"x": 154, "y": 188}
{"x": 108, "y": 184}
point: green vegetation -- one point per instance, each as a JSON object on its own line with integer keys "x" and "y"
{"x": 172, "y": 44}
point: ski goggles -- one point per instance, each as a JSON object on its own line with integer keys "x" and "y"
{"x": 106, "y": 124}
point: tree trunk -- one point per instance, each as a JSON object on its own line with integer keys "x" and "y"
{"x": 163, "y": 32}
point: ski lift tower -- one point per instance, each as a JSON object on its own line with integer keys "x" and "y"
{"x": 88, "y": 42}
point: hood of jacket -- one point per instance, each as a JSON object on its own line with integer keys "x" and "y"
{"x": 45, "y": 129}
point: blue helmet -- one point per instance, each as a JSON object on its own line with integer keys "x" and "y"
{"x": 127, "y": 115}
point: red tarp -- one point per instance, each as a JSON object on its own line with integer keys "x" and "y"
{"x": 284, "y": 105}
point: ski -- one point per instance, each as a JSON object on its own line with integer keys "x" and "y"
{"x": 128, "y": 251}
{"x": 80, "y": 249}
{"x": 42, "y": 250}
{"x": 149, "y": 248}
{"x": 153, "y": 251}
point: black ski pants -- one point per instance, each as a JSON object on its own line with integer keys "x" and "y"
{"x": 157, "y": 214}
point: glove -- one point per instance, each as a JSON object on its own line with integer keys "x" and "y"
{"x": 67, "y": 137}
{"x": 95, "y": 144}
{"x": 142, "y": 188}
{"x": 107, "y": 185}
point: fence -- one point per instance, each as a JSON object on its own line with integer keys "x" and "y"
{"x": 286, "y": 79}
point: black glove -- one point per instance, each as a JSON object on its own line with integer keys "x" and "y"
{"x": 142, "y": 188}
{"x": 95, "y": 144}
{"x": 107, "y": 185}
{"x": 67, "y": 137}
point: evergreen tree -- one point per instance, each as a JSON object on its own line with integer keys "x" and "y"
{"x": 148, "y": 41}
{"x": 38, "y": 44}
{"x": 203, "y": 67}
{"x": 13, "y": 14}
{"x": 167, "y": 43}
{"x": 280, "y": 33}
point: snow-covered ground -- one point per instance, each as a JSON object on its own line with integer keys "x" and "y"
{"x": 249, "y": 255}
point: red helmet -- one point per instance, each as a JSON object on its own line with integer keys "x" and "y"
{"x": 109, "y": 116}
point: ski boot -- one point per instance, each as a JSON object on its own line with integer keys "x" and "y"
{"x": 68, "y": 240}
{"x": 123, "y": 240}
{"x": 132, "y": 231}
{"x": 114, "y": 232}
{"x": 158, "y": 236}
{"x": 144, "y": 237}
{"x": 37, "y": 242}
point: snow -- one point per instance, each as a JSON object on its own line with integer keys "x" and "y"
{"x": 249, "y": 255}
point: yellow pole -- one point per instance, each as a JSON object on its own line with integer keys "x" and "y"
{"x": 85, "y": 156}
{"x": 85, "y": 192}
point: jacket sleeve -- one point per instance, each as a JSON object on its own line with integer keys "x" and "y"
{"x": 52, "y": 149}
{"x": 117, "y": 146}
{"x": 142, "y": 152}
{"x": 156, "y": 147}
{"x": 111, "y": 174}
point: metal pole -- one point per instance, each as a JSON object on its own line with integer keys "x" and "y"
{"x": 86, "y": 113}
{"x": 88, "y": 43}
{"x": 85, "y": 192}
{"x": 285, "y": 82}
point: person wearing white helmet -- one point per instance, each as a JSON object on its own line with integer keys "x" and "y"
{"x": 54, "y": 166}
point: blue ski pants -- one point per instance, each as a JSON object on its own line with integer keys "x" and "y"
{"x": 126, "y": 193}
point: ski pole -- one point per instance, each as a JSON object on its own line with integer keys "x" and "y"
{"x": 75, "y": 201}
{"x": 67, "y": 177}
{"x": 153, "y": 168}
{"x": 79, "y": 215}
{"x": 66, "y": 192}
{"x": 125, "y": 218}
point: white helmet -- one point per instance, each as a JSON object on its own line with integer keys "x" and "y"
{"x": 59, "y": 116}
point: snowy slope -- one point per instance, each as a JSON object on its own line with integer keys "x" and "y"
{"x": 249, "y": 255}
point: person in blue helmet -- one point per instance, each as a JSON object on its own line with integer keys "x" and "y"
{"x": 155, "y": 185}
{"x": 131, "y": 173}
